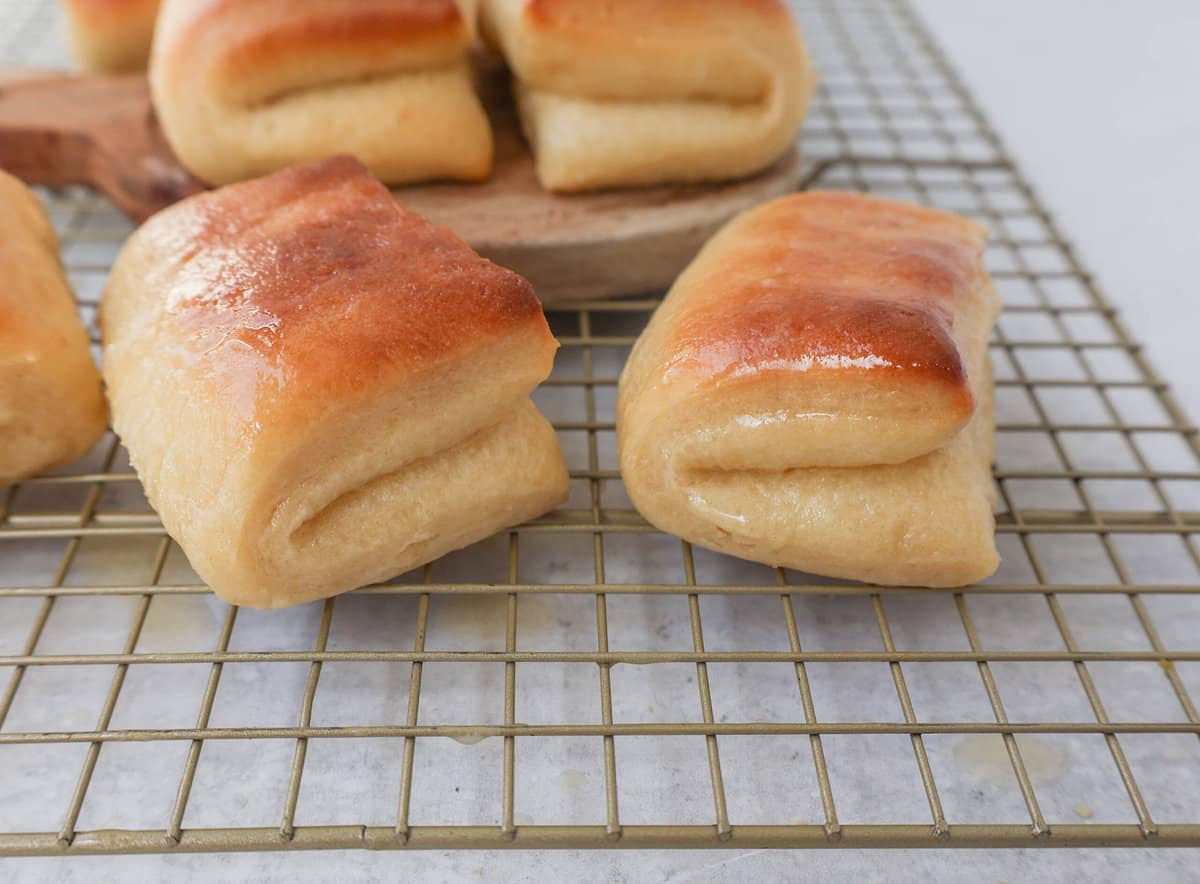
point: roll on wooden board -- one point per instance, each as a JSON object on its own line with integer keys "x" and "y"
{"x": 244, "y": 89}
{"x": 639, "y": 92}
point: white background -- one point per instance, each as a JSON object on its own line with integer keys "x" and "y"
{"x": 1099, "y": 102}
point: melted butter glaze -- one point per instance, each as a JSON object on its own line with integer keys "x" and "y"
{"x": 313, "y": 284}
{"x": 318, "y": 20}
{"x": 831, "y": 281}
{"x": 732, "y": 51}
{"x": 103, "y": 11}
{"x": 639, "y": 13}
{"x": 348, "y": 23}
{"x": 239, "y": 41}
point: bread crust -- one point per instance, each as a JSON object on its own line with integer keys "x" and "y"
{"x": 849, "y": 296}
{"x": 253, "y": 53}
{"x": 232, "y": 264}
{"x": 52, "y": 409}
{"x": 643, "y": 50}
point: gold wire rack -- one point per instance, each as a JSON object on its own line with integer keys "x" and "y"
{"x": 558, "y": 686}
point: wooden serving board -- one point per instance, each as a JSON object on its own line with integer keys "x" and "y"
{"x": 59, "y": 128}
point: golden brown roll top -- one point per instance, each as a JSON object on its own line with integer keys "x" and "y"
{"x": 867, "y": 317}
{"x": 292, "y": 80}
{"x": 315, "y": 278}
{"x": 112, "y": 36}
{"x": 51, "y": 404}
{"x": 320, "y": 389}
{"x": 254, "y": 52}
{"x": 633, "y": 92}
{"x": 814, "y": 392}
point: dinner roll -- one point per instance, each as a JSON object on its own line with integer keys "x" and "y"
{"x": 320, "y": 389}
{"x": 638, "y": 92}
{"x": 814, "y": 392}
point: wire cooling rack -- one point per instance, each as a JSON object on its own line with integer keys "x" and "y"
{"x": 585, "y": 681}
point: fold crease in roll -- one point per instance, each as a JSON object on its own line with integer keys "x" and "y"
{"x": 815, "y": 393}
{"x": 319, "y": 389}
{"x": 244, "y": 89}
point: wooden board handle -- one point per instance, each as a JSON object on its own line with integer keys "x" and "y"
{"x": 59, "y": 128}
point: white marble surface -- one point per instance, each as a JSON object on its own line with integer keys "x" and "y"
{"x": 1030, "y": 62}
{"x": 632, "y": 867}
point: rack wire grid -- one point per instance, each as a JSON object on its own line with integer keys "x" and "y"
{"x": 585, "y": 681}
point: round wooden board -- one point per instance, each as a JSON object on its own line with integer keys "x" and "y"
{"x": 589, "y": 245}
{"x": 58, "y": 129}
